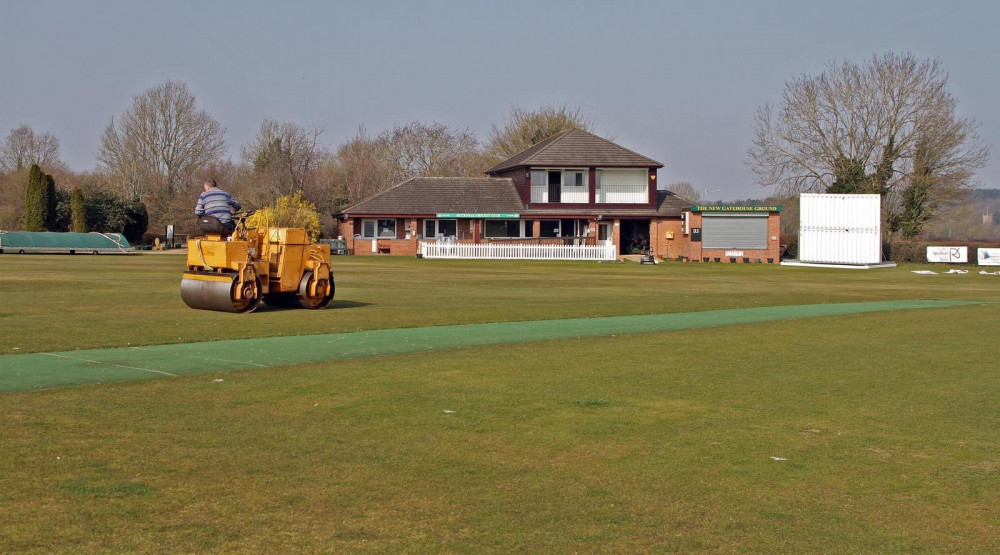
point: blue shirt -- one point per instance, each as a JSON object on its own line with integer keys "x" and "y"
{"x": 216, "y": 202}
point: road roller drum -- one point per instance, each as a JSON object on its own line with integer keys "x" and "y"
{"x": 222, "y": 292}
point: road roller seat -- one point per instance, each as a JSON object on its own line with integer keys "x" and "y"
{"x": 213, "y": 225}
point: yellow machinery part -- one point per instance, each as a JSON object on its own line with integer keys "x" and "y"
{"x": 222, "y": 292}
{"x": 215, "y": 252}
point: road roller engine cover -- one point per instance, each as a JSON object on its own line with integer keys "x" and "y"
{"x": 276, "y": 265}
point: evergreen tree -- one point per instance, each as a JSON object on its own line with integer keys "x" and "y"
{"x": 106, "y": 213}
{"x": 51, "y": 200}
{"x": 64, "y": 212}
{"x": 35, "y": 202}
{"x": 79, "y": 210}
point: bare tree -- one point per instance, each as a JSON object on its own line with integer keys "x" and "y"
{"x": 284, "y": 157}
{"x": 366, "y": 165}
{"x": 159, "y": 142}
{"x": 23, "y": 147}
{"x": 363, "y": 166}
{"x": 685, "y": 190}
{"x": 12, "y": 187}
{"x": 525, "y": 128}
{"x": 884, "y": 126}
{"x": 430, "y": 149}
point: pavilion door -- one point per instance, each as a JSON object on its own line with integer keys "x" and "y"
{"x": 555, "y": 186}
{"x": 604, "y": 233}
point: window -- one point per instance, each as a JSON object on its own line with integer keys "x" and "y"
{"x": 503, "y": 228}
{"x": 447, "y": 228}
{"x": 568, "y": 228}
{"x": 382, "y": 229}
{"x": 387, "y": 229}
{"x": 537, "y": 178}
{"x": 575, "y": 178}
{"x": 429, "y": 227}
{"x": 549, "y": 228}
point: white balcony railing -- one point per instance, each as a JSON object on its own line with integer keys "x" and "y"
{"x": 609, "y": 193}
{"x": 568, "y": 194}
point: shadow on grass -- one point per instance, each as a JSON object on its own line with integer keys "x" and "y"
{"x": 347, "y": 304}
{"x": 338, "y": 305}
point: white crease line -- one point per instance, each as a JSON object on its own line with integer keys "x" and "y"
{"x": 237, "y": 362}
{"x": 110, "y": 364}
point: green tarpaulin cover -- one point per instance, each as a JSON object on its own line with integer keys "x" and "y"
{"x": 14, "y": 241}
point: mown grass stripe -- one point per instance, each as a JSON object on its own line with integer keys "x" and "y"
{"x": 39, "y": 370}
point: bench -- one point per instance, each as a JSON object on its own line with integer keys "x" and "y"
{"x": 337, "y": 246}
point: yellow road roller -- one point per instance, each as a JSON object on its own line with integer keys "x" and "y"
{"x": 277, "y": 265}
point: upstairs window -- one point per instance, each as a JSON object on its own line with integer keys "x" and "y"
{"x": 563, "y": 185}
{"x": 575, "y": 178}
{"x": 537, "y": 178}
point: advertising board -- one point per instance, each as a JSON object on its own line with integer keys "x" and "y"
{"x": 988, "y": 257}
{"x": 954, "y": 255}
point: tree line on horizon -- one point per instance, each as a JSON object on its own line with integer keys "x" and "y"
{"x": 888, "y": 125}
{"x": 153, "y": 158}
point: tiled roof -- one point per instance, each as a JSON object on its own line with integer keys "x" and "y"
{"x": 576, "y": 148}
{"x": 430, "y": 195}
{"x": 669, "y": 204}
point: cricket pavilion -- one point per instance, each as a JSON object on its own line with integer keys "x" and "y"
{"x": 572, "y": 194}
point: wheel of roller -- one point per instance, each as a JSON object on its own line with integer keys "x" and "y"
{"x": 304, "y": 301}
{"x": 212, "y": 293}
{"x": 250, "y": 299}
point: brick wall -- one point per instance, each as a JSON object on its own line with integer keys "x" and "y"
{"x": 668, "y": 248}
{"x": 395, "y": 247}
{"x": 651, "y": 185}
{"x": 521, "y": 183}
{"x": 346, "y": 230}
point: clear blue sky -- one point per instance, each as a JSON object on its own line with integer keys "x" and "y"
{"x": 676, "y": 81}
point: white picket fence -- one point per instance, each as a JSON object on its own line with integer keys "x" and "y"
{"x": 518, "y": 252}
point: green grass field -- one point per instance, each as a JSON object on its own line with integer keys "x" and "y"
{"x": 658, "y": 441}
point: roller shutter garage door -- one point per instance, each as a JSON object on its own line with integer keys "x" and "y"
{"x": 720, "y": 231}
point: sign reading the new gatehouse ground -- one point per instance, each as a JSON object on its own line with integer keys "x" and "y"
{"x": 732, "y": 208}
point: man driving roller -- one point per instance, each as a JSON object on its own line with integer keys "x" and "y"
{"x": 218, "y": 204}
